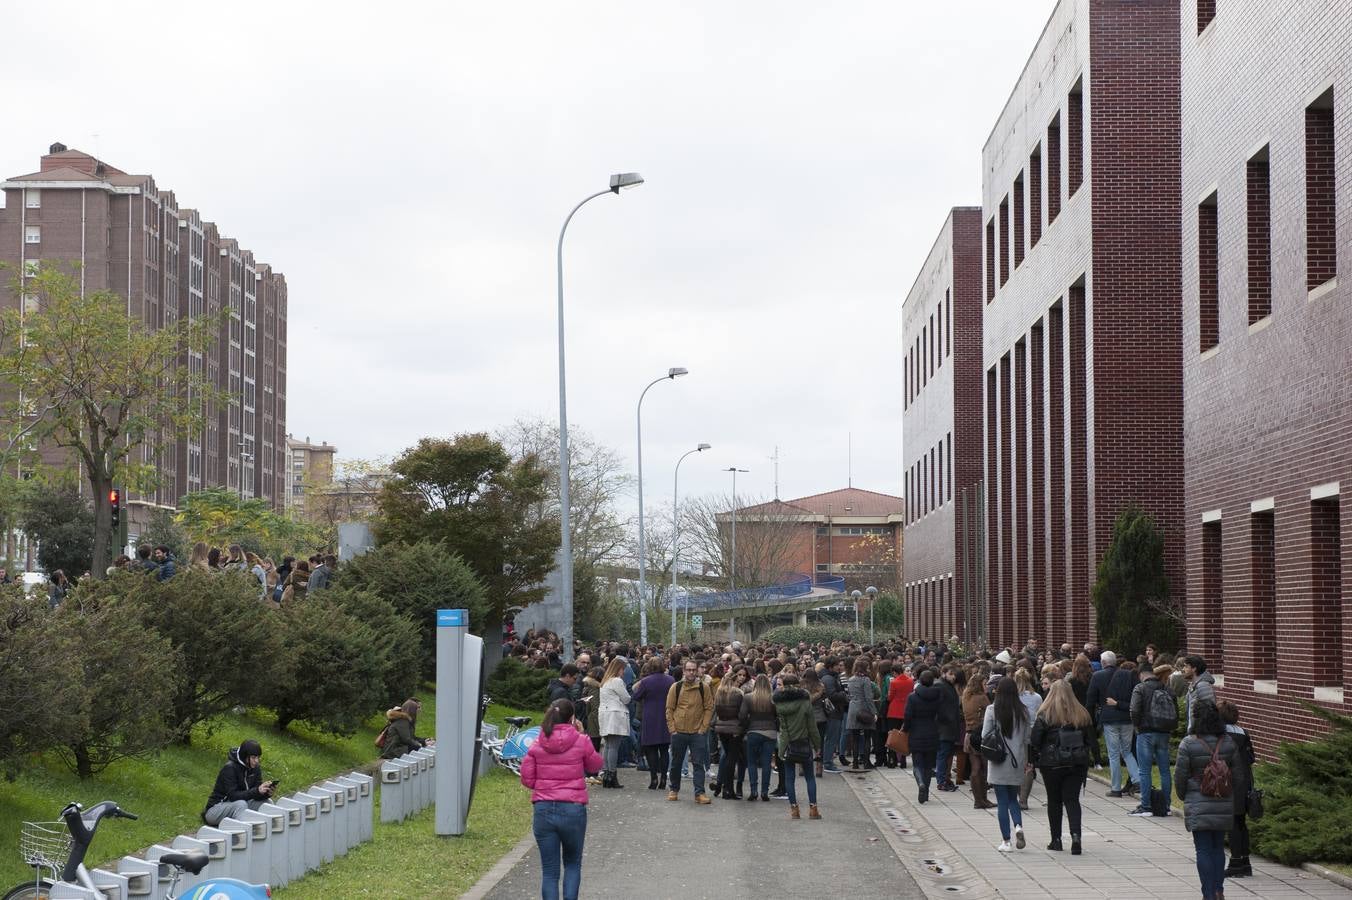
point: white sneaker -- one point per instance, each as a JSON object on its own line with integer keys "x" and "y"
{"x": 1004, "y": 847}
{"x": 1019, "y": 842}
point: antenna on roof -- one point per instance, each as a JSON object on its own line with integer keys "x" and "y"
{"x": 775, "y": 458}
{"x": 849, "y": 459}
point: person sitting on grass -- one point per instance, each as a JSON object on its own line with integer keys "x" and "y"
{"x": 399, "y": 724}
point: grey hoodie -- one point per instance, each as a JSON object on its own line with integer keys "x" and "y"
{"x": 1203, "y": 687}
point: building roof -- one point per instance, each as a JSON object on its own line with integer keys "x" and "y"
{"x": 859, "y": 501}
{"x": 61, "y": 173}
{"x": 775, "y": 508}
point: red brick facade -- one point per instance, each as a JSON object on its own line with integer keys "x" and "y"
{"x": 941, "y": 419}
{"x": 131, "y": 237}
{"x": 1267, "y": 330}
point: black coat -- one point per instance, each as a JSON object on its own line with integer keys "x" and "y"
{"x": 1043, "y": 741}
{"x": 950, "y": 711}
{"x": 235, "y": 781}
{"x": 922, "y": 718}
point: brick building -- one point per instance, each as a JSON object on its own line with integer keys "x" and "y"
{"x": 130, "y": 236}
{"x": 1082, "y": 326}
{"x": 309, "y": 469}
{"x": 1266, "y": 338}
{"x": 854, "y": 533}
{"x": 941, "y": 420}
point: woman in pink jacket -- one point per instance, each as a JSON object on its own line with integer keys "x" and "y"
{"x": 555, "y": 769}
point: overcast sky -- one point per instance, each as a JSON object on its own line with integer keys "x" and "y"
{"x": 408, "y": 166}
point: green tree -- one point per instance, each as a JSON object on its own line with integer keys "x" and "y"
{"x": 396, "y": 636}
{"x": 62, "y": 522}
{"x": 889, "y": 615}
{"x": 87, "y": 376}
{"x": 1132, "y": 603}
{"x": 1307, "y": 816}
{"x": 218, "y": 517}
{"x": 418, "y": 579}
{"x": 469, "y": 494}
{"x": 39, "y": 700}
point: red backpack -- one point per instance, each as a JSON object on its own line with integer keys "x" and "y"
{"x": 1216, "y": 777}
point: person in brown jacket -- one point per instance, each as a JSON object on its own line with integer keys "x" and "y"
{"x": 690, "y": 707}
{"x": 974, "y": 704}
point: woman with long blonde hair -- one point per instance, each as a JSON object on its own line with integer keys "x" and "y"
{"x": 760, "y": 724}
{"x": 1060, "y": 748}
{"x": 614, "y": 719}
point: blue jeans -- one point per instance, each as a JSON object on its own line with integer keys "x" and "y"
{"x": 791, "y": 776}
{"x": 561, "y": 826}
{"x": 1118, "y": 738}
{"x": 759, "y": 751}
{"x": 1210, "y": 860}
{"x": 945, "y": 757}
{"x": 698, "y": 747}
{"x": 1007, "y": 807}
{"x": 831, "y": 745}
{"x": 1152, "y": 748}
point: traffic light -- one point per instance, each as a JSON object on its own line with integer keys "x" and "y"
{"x": 115, "y": 501}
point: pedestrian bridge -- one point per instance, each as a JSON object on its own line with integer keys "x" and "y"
{"x": 794, "y": 596}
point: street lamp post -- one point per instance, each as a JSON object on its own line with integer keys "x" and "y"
{"x": 676, "y": 534}
{"x": 734, "y": 470}
{"x": 872, "y": 596}
{"x": 855, "y": 595}
{"x": 617, "y": 183}
{"x": 672, "y": 374}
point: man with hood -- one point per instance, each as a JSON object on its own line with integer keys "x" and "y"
{"x": 1201, "y": 684}
{"x": 239, "y": 785}
{"x": 400, "y": 722}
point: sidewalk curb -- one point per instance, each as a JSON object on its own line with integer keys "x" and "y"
{"x": 500, "y": 869}
{"x": 1337, "y": 878}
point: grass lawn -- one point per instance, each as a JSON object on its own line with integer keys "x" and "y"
{"x": 169, "y": 790}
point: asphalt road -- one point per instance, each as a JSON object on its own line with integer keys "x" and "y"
{"x": 639, "y": 844}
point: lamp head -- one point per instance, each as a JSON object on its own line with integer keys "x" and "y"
{"x": 676, "y": 371}
{"x": 871, "y": 591}
{"x": 855, "y": 594}
{"x": 624, "y": 181}
{"x": 702, "y": 447}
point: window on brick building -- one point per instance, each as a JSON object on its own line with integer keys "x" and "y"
{"x": 932, "y": 346}
{"x": 1075, "y": 139}
{"x": 1004, "y": 240}
{"x": 1326, "y": 589}
{"x": 949, "y": 445}
{"x": 33, "y": 198}
{"x": 1263, "y": 587}
{"x": 940, "y": 491}
{"x": 1206, "y": 11}
{"x": 924, "y": 354}
{"x": 948, "y": 321}
{"x": 1258, "y": 177}
{"x": 1034, "y": 197}
{"x": 1213, "y": 597}
{"x": 1208, "y": 267}
{"x": 1020, "y": 212}
{"x": 905, "y": 383}
{"x": 1053, "y": 169}
{"x": 1321, "y": 239}
{"x": 32, "y": 234}
{"x": 990, "y": 260}
{"x": 939, "y": 336}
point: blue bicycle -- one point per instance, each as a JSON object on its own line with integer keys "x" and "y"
{"x": 60, "y": 847}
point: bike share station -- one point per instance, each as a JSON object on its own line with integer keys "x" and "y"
{"x": 289, "y": 836}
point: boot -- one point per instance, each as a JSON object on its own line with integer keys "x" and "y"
{"x": 962, "y": 768}
{"x": 652, "y": 781}
{"x": 1074, "y": 845}
{"x": 615, "y": 780}
{"x": 979, "y": 790}
{"x": 813, "y": 812}
{"x": 1239, "y": 867}
{"x": 662, "y": 781}
{"x": 793, "y": 811}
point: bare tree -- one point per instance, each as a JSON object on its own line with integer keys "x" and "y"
{"x": 771, "y": 538}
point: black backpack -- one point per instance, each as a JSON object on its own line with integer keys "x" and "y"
{"x": 1161, "y": 711}
{"x": 1069, "y": 748}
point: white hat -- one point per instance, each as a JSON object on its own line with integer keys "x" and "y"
{"x": 1004, "y": 657}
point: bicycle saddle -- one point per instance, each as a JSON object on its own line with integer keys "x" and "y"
{"x": 518, "y": 721}
{"x": 192, "y": 861}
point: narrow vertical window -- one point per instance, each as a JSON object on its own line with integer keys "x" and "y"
{"x": 941, "y": 472}
{"x": 1208, "y": 265}
{"x": 1004, "y": 240}
{"x": 1213, "y": 597}
{"x": 1054, "y": 169}
{"x": 939, "y": 336}
{"x": 1263, "y": 585}
{"x": 1321, "y": 249}
{"x": 1035, "y": 197}
{"x": 1075, "y": 140}
{"x": 1206, "y": 11}
{"x": 1326, "y": 587}
{"x": 924, "y": 356}
{"x": 1019, "y": 212}
{"x": 905, "y": 384}
{"x": 1260, "y": 236}
{"x": 990, "y": 260}
{"x": 948, "y": 322}
{"x": 948, "y": 442}
{"x": 933, "y": 346}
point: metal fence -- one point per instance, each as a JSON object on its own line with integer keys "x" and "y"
{"x": 792, "y": 586}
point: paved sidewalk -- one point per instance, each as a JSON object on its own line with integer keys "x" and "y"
{"x": 952, "y": 849}
{"x": 639, "y": 845}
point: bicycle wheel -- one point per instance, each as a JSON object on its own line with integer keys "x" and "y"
{"x": 30, "y": 891}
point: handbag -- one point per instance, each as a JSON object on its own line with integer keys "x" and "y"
{"x": 866, "y": 718}
{"x": 899, "y": 742}
{"x": 1254, "y": 803}
{"x": 993, "y": 746}
{"x": 799, "y": 751}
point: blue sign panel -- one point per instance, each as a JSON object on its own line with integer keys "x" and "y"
{"x": 452, "y": 618}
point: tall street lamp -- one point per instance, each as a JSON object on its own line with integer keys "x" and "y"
{"x": 617, "y": 184}
{"x": 676, "y": 532}
{"x": 734, "y": 470}
{"x": 872, "y": 596}
{"x": 672, "y": 374}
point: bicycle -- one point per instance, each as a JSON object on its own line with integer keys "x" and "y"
{"x": 510, "y": 749}
{"x": 46, "y": 846}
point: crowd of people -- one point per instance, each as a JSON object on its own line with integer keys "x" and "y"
{"x": 277, "y": 584}
{"x": 731, "y": 716}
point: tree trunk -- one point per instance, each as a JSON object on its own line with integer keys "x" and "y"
{"x": 84, "y": 767}
{"x": 103, "y": 529}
